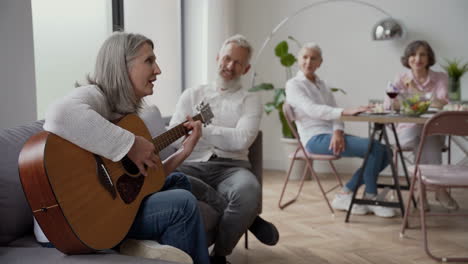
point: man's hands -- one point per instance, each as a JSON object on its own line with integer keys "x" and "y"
{"x": 337, "y": 142}
{"x": 355, "y": 110}
{"x": 142, "y": 153}
{"x": 191, "y": 140}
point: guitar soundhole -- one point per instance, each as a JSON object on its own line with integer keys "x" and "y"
{"x": 129, "y": 166}
{"x": 129, "y": 187}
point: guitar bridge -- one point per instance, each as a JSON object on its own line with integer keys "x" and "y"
{"x": 104, "y": 177}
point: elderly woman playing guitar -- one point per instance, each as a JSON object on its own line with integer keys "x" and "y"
{"x": 127, "y": 194}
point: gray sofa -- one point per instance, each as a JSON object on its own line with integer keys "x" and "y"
{"x": 17, "y": 242}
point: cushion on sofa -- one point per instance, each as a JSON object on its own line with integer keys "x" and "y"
{"x": 15, "y": 214}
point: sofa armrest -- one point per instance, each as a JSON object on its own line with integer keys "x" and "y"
{"x": 256, "y": 160}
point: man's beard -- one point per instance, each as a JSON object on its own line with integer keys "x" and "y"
{"x": 231, "y": 85}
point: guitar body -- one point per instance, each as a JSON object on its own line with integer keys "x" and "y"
{"x": 84, "y": 202}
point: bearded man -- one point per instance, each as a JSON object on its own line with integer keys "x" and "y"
{"x": 220, "y": 159}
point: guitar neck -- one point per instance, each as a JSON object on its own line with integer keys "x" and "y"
{"x": 167, "y": 138}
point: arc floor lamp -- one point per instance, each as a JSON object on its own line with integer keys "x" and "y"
{"x": 385, "y": 29}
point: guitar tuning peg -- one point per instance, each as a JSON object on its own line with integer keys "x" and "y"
{"x": 200, "y": 106}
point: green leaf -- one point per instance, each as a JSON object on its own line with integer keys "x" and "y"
{"x": 262, "y": 87}
{"x": 288, "y": 60}
{"x": 299, "y": 45}
{"x": 281, "y": 49}
{"x": 335, "y": 89}
{"x": 455, "y": 69}
{"x": 269, "y": 107}
{"x": 279, "y": 97}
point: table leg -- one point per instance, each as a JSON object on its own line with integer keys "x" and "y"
{"x": 396, "y": 181}
{"x": 361, "y": 173}
{"x": 403, "y": 163}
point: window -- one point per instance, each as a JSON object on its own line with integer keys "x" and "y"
{"x": 160, "y": 20}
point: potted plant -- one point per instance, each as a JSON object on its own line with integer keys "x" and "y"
{"x": 455, "y": 70}
{"x": 279, "y": 95}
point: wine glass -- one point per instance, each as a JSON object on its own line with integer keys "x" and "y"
{"x": 392, "y": 92}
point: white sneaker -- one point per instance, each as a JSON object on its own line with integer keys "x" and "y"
{"x": 342, "y": 201}
{"x": 381, "y": 211}
{"x": 444, "y": 198}
{"x": 153, "y": 250}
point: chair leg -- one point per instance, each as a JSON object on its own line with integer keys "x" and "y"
{"x": 282, "y": 206}
{"x": 422, "y": 214}
{"x": 449, "y": 150}
{"x": 288, "y": 175}
{"x": 404, "y": 224}
{"x": 246, "y": 239}
{"x": 338, "y": 178}
{"x": 320, "y": 187}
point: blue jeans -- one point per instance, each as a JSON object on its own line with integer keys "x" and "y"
{"x": 171, "y": 217}
{"x": 355, "y": 147}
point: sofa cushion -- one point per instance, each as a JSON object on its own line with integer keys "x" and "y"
{"x": 15, "y": 214}
{"x": 38, "y": 255}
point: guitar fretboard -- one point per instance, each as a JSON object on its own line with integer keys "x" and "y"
{"x": 173, "y": 134}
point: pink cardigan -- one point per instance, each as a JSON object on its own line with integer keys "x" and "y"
{"x": 437, "y": 83}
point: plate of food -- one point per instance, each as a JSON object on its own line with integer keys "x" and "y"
{"x": 377, "y": 109}
{"x": 455, "y": 107}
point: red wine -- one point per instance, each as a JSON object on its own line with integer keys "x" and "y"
{"x": 392, "y": 94}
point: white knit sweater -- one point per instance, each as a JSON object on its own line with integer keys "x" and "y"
{"x": 235, "y": 125}
{"x": 82, "y": 117}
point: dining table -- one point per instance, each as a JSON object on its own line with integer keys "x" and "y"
{"x": 379, "y": 123}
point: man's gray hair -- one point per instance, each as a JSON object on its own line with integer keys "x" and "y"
{"x": 310, "y": 45}
{"x": 241, "y": 41}
{"x": 111, "y": 73}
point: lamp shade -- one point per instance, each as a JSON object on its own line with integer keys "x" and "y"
{"x": 386, "y": 29}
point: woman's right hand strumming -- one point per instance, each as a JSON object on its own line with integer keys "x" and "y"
{"x": 142, "y": 153}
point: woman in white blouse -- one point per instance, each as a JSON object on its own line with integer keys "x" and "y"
{"x": 321, "y": 132}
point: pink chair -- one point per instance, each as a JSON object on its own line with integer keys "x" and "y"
{"x": 430, "y": 175}
{"x": 302, "y": 154}
{"x": 396, "y": 152}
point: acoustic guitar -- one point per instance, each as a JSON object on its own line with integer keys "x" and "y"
{"x": 84, "y": 202}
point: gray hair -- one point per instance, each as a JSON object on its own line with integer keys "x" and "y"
{"x": 113, "y": 62}
{"x": 241, "y": 41}
{"x": 310, "y": 45}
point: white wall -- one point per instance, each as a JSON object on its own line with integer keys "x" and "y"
{"x": 67, "y": 37}
{"x": 195, "y": 39}
{"x": 159, "y": 20}
{"x": 17, "y": 82}
{"x": 207, "y": 24}
{"x": 351, "y": 60}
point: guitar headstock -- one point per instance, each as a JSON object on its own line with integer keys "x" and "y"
{"x": 205, "y": 113}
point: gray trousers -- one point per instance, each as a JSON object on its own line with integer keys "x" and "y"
{"x": 238, "y": 193}
{"x": 432, "y": 151}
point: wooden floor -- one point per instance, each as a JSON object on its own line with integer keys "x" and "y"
{"x": 309, "y": 233}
